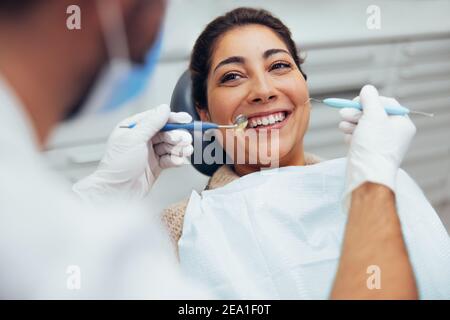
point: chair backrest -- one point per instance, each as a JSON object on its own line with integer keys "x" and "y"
{"x": 182, "y": 101}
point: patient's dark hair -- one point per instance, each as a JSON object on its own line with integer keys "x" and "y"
{"x": 204, "y": 46}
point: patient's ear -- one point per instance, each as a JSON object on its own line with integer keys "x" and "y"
{"x": 203, "y": 113}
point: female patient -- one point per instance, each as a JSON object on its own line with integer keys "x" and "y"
{"x": 277, "y": 233}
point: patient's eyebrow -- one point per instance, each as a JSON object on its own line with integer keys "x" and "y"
{"x": 241, "y": 60}
{"x": 234, "y": 59}
{"x": 270, "y": 52}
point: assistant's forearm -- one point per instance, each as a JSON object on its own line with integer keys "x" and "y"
{"x": 373, "y": 237}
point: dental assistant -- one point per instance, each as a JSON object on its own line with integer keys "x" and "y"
{"x": 55, "y": 246}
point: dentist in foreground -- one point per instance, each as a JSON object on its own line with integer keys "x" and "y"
{"x": 52, "y": 244}
{"x": 55, "y": 246}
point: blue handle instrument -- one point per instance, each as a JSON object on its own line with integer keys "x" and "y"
{"x": 391, "y": 110}
{"x": 240, "y": 122}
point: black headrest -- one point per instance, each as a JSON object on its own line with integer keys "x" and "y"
{"x": 182, "y": 101}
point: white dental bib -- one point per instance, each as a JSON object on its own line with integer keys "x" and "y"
{"x": 277, "y": 234}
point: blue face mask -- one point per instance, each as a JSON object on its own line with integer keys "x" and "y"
{"x": 134, "y": 83}
{"x": 121, "y": 80}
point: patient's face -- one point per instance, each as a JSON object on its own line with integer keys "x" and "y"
{"x": 253, "y": 73}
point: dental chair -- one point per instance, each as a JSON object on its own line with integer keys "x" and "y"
{"x": 182, "y": 101}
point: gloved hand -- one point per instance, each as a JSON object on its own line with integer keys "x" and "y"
{"x": 351, "y": 116}
{"x": 378, "y": 142}
{"x": 135, "y": 157}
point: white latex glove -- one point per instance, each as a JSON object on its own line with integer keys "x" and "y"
{"x": 378, "y": 142}
{"x": 135, "y": 157}
{"x": 351, "y": 116}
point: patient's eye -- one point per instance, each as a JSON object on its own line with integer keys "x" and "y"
{"x": 230, "y": 77}
{"x": 280, "y": 65}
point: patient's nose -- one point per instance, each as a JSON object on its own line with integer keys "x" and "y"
{"x": 262, "y": 91}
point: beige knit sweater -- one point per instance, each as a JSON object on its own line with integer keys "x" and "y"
{"x": 173, "y": 216}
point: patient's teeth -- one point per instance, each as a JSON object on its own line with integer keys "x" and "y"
{"x": 267, "y": 120}
{"x": 271, "y": 119}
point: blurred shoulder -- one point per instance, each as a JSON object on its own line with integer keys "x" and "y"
{"x": 173, "y": 217}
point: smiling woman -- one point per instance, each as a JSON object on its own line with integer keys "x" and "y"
{"x": 277, "y": 233}
{"x": 246, "y": 62}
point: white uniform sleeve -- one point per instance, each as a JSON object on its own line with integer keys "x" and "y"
{"x": 53, "y": 246}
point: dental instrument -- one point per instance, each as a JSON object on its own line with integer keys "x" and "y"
{"x": 391, "y": 110}
{"x": 240, "y": 123}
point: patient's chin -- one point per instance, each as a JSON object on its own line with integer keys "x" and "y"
{"x": 263, "y": 148}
